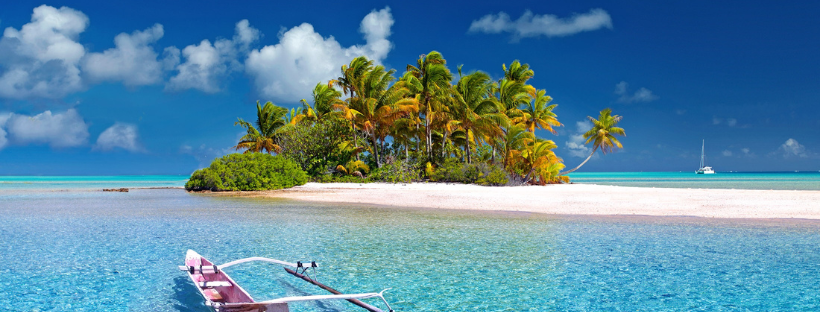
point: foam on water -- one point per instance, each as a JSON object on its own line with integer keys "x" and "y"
{"x": 94, "y": 251}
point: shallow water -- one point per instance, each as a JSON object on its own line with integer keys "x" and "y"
{"x": 95, "y": 251}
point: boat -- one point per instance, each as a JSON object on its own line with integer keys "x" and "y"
{"x": 703, "y": 168}
{"x": 223, "y": 294}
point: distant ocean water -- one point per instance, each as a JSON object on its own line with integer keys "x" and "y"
{"x": 804, "y": 180}
{"x": 90, "y": 182}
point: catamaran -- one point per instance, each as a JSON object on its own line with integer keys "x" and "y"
{"x": 703, "y": 168}
{"x": 223, "y": 294}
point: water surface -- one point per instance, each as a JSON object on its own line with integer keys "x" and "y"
{"x": 722, "y": 180}
{"x": 95, "y": 251}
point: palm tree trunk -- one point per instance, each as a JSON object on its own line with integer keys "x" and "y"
{"x": 443, "y": 145}
{"x": 579, "y": 166}
{"x": 469, "y": 159}
{"x": 355, "y": 138}
{"x": 375, "y": 149}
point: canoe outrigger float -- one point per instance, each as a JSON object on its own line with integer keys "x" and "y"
{"x": 224, "y": 295}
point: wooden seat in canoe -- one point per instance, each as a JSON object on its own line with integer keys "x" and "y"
{"x": 214, "y": 284}
{"x": 212, "y": 295}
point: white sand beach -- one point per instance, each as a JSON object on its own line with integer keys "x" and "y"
{"x": 567, "y": 199}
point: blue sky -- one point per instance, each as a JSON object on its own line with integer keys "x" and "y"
{"x": 132, "y": 88}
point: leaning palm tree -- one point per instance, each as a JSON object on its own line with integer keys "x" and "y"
{"x": 262, "y": 137}
{"x": 537, "y": 114}
{"x": 602, "y": 135}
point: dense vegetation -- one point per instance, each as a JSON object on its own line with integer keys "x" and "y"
{"x": 422, "y": 126}
{"x": 247, "y": 172}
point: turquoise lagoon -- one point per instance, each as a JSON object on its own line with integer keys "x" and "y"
{"x": 804, "y": 180}
{"x": 83, "y": 250}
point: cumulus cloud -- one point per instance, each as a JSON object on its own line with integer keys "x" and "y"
{"x": 793, "y": 149}
{"x": 576, "y": 145}
{"x": 3, "y": 139}
{"x": 289, "y": 70}
{"x": 42, "y": 58}
{"x": 532, "y": 25}
{"x": 58, "y": 130}
{"x": 206, "y": 63}
{"x": 642, "y": 95}
{"x": 132, "y": 60}
{"x": 120, "y": 135}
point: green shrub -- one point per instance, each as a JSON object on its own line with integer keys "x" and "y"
{"x": 247, "y": 172}
{"x": 332, "y": 178}
{"x": 397, "y": 171}
{"x": 453, "y": 170}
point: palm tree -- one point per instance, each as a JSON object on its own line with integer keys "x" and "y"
{"x": 430, "y": 78}
{"x": 537, "y": 156}
{"x": 518, "y": 72}
{"x": 352, "y": 74}
{"x": 269, "y": 119}
{"x": 516, "y": 141}
{"x": 325, "y": 98}
{"x": 378, "y": 105}
{"x": 602, "y": 135}
{"x": 477, "y": 112}
{"x": 537, "y": 114}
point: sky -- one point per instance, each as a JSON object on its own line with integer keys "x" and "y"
{"x": 154, "y": 87}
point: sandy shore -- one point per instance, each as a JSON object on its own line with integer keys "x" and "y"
{"x": 573, "y": 199}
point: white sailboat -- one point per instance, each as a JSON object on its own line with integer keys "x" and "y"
{"x": 703, "y": 168}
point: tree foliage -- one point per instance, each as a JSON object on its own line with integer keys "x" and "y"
{"x": 247, "y": 172}
{"x": 372, "y": 123}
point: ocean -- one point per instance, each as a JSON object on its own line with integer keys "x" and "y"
{"x": 79, "y": 249}
{"x": 804, "y": 180}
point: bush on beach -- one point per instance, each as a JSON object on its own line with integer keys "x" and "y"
{"x": 247, "y": 172}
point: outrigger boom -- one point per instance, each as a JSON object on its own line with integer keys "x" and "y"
{"x": 224, "y": 295}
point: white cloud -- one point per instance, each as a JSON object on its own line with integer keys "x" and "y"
{"x": 727, "y": 153}
{"x": 120, "y": 135}
{"x": 133, "y": 60}
{"x": 745, "y": 150}
{"x": 642, "y": 95}
{"x": 41, "y": 59}
{"x": 289, "y": 70}
{"x": 731, "y": 122}
{"x": 793, "y": 148}
{"x": 205, "y": 64}
{"x": 3, "y": 139}
{"x": 56, "y": 129}
{"x": 576, "y": 145}
{"x": 531, "y": 25}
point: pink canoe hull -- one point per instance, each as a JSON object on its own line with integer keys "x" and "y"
{"x": 226, "y": 296}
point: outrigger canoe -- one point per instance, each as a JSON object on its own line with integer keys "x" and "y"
{"x": 223, "y": 294}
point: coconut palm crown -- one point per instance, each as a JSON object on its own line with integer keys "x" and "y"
{"x": 602, "y": 135}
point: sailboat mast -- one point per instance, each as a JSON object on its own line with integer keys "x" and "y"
{"x": 702, "y": 153}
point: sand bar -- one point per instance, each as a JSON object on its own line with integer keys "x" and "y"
{"x": 568, "y": 199}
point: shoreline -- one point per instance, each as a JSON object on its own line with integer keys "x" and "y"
{"x": 562, "y": 199}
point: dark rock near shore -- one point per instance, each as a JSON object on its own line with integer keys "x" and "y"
{"x": 116, "y": 190}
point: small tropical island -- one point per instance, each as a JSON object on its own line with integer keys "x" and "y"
{"x": 428, "y": 124}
